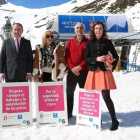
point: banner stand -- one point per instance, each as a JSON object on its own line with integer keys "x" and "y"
{"x": 15, "y": 105}
{"x": 89, "y": 109}
{"x": 51, "y": 104}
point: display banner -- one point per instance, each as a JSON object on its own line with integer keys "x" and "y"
{"x": 113, "y": 24}
{"x": 51, "y": 103}
{"x": 89, "y": 108}
{"x": 15, "y": 105}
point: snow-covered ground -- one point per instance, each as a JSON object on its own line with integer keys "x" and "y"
{"x": 127, "y": 104}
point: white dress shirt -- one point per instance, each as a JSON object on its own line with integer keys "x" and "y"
{"x": 19, "y": 39}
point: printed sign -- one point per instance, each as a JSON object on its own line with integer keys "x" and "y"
{"x": 51, "y": 103}
{"x": 15, "y": 105}
{"x": 56, "y": 35}
{"x": 113, "y": 24}
{"x": 89, "y": 111}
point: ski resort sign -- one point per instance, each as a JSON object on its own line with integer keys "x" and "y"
{"x": 56, "y": 35}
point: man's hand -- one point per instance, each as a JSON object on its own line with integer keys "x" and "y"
{"x": 73, "y": 70}
{"x": 2, "y": 77}
{"x": 77, "y": 73}
{"x": 76, "y": 70}
{"x": 29, "y": 77}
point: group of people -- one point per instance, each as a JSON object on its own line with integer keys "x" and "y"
{"x": 84, "y": 62}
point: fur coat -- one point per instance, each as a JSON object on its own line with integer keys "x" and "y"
{"x": 58, "y": 63}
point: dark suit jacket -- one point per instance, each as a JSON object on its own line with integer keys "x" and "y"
{"x": 9, "y": 59}
{"x": 97, "y": 48}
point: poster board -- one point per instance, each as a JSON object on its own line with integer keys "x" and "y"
{"x": 51, "y": 103}
{"x": 15, "y": 105}
{"x": 89, "y": 109}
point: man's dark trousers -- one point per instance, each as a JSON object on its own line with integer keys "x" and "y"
{"x": 71, "y": 82}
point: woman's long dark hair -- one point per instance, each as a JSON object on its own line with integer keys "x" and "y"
{"x": 92, "y": 32}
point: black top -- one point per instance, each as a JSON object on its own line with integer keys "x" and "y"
{"x": 97, "y": 48}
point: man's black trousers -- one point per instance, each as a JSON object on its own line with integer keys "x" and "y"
{"x": 71, "y": 83}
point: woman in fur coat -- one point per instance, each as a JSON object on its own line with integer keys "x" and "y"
{"x": 49, "y": 61}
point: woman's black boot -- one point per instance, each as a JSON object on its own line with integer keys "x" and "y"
{"x": 114, "y": 126}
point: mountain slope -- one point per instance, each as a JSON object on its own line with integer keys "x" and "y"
{"x": 116, "y": 6}
{"x": 36, "y": 21}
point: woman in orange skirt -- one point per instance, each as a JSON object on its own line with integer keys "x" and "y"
{"x": 100, "y": 66}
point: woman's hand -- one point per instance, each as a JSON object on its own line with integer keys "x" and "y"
{"x": 61, "y": 79}
{"x": 41, "y": 79}
{"x": 109, "y": 67}
{"x": 101, "y": 58}
{"x": 36, "y": 78}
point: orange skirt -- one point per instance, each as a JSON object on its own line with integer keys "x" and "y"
{"x": 100, "y": 80}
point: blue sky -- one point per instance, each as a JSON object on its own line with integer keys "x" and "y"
{"x": 37, "y": 3}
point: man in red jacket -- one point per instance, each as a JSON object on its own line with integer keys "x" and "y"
{"x": 74, "y": 54}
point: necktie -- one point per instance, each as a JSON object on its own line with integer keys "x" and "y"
{"x": 17, "y": 45}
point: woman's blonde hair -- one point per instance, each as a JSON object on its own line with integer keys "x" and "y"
{"x": 44, "y": 38}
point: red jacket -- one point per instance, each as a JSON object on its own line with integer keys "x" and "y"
{"x": 75, "y": 53}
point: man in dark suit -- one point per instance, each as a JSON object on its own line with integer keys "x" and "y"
{"x": 16, "y": 60}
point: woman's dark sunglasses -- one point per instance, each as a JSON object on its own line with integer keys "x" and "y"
{"x": 47, "y": 36}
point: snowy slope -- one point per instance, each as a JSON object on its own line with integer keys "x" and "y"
{"x": 36, "y": 21}
{"x": 134, "y": 15}
{"x": 32, "y": 18}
